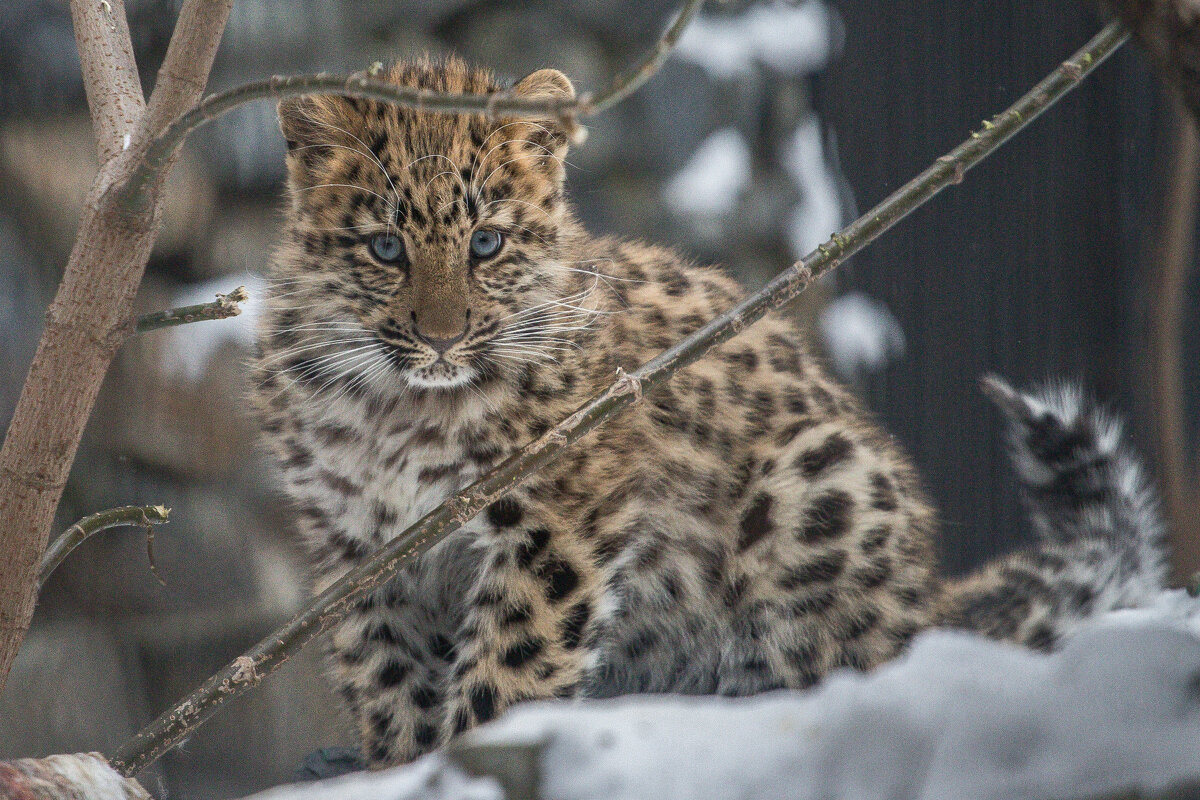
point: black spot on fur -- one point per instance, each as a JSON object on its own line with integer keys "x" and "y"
{"x": 883, "y": 494}
{"x": 522, "y": 652}
{"x": 874, "y": 539}
{"x": 1041, "y": 637}
{"x": 483, "y": 702}
{"x": 561, "y": 579}
{"x": 874, "y": 574}
{"x": 504, "y": 513}
{"x": 756, "y": 521}
{"x": 832, "y": 452}
{"x": 573, "y": 626}
{"x": 382, "y": 632}
{"x": 393, "y": 674}
{"x": 641, "y": 642}
{"x": 861, "y": 622}
{"x": 381, "y": 722}
{"x": 813, "y": 603}
{"x": 425, "y": 735}
{"x": 824, "y": 568}
{"x": 535, "y": 544}
{"x": 828, "y": 517}
{"x": 424, "y": 697}
{"x": 441, "y": 647}
{"x": 517, "y": 615}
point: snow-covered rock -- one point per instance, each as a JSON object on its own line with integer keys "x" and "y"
{"x": 958, "y": 716}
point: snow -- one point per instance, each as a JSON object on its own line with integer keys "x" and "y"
{"x": 710, "y": 183}
{"x": 431, "y": 778}
{"x": 957, "y": 716}
{"x": 791, "y": 38}
{"x": 819, "y": 212}
{"x": 860, "y": 334}
{"x": 191, "y": 347}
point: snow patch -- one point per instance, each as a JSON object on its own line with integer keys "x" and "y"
{"x": 792, "y": 38}
{"x": 861, "y": 335}
{"x": 957, "y": 716}
{"x": 190, "y": 347}
{"x": 710, "y": 183}
{"x": 431, "y": 778}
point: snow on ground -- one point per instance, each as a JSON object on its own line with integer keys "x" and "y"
{"x": 190, "y": 347}
{"x": 710, "y": 183}
{"x": 861, "y": 335}
{"x": 958, "y": 716}
{"x": 792, "y": 38}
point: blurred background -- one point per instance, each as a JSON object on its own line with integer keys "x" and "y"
{"x": 774, "y": 124}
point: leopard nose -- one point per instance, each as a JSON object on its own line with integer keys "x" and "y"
{"x": 441, "y": 345}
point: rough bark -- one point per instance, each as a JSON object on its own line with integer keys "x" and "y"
{"x": 91, "y": 312}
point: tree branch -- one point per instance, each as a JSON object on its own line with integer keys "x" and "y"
{"x": 184, "y": 71}
{"x": 333, "y": 604}
{"x": 110, "y": 74}
{"x": 138, "y": 190}
{"x": 651, "y": 62}
{"x": 90, "y": 314}
{"x": 224, "y": 307}
{"x": 1173, "y": 257}
{"x": 77, "y": 534}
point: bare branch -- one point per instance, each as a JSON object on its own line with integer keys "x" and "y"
{"x": 110, "y": 74}
{"x": 77, "y": 534}
{"x": 224, "y": 307}
{"x": 336, "y": 601}
{"x": 1173, "y": 260}
{"x": 89, "y": 316}
{"x": 629, "y": 82}
{"x": 137, "y": 192}
{"x": 184, "y": 71}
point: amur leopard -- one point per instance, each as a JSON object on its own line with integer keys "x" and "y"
{"x": 435, "y": 305}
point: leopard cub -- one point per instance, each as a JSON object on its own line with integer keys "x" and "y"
{"x": 435, "y": 306}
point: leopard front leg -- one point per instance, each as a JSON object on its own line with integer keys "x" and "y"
{"x": 520, "y": 639}
{"x": 390, "y": 658}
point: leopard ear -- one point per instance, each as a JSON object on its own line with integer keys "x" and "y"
{"x": 551, "y": 132}
{"x": 545, "y": 84}
{"x": 311, "y": 127}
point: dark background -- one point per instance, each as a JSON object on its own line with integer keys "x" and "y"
{"x": 1036, "y": 266}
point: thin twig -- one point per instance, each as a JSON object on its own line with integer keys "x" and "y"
{"x": 224, "y": 307}
{"x": 651, "y": 62}
{"x": 137, "y": 192}
{"x": 333, "y": 604}
{"x": 77, "y": 534}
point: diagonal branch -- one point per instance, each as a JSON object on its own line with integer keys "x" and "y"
{"x": 332, "y": 604}
{"x": 138, "y": 191}
{"x": 110, "y": 74}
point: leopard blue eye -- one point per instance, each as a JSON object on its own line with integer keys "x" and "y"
{"x": 485, "y": 243}
{"x": 387, "y": 247}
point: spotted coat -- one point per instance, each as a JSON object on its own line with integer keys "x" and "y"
{"x": 746, "y": 526}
